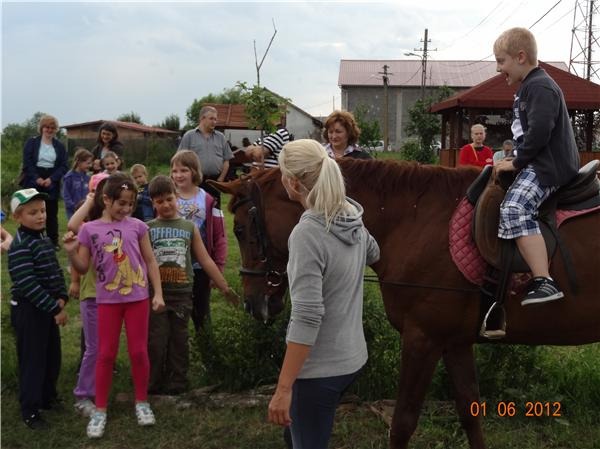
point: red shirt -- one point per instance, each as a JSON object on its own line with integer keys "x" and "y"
{"x": 471, "y": 156}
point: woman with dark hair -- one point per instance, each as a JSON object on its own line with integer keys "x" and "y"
{"x": 108, "y": 140}
{"x": 44, "y": 165}
{"x": 341, "y": 135}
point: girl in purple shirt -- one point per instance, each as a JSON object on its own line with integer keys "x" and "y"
{"x": 119, "y": 248}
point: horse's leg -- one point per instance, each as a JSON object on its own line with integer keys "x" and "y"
{"x": 460, "y": 365}
{"x": 419, "y": 358}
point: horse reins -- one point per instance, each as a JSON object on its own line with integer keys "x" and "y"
{"x": 374, "y": 278}
{"x": 273, "y": 278}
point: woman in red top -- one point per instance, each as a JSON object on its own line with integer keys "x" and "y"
{"x": 476, "y": 153}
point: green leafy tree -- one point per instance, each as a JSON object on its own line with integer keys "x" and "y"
{"x": 264, "y": 109}
{"x": 232, "y": 95}
{"x": 370, "y": 133}
{"x": 132, "y": 117}
{"x": 171, "y": 122}
{"x": 425, "y": 125}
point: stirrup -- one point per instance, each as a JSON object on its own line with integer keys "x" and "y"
{"x": 494, "y": 334}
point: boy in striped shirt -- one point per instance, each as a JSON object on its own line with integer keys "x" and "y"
{"x": 39, "y": 296}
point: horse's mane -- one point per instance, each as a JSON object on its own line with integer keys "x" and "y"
{"x": 388, "y": 177}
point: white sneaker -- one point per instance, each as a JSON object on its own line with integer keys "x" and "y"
{"x": 144, "y": 414}
{"x": 85, "y": 407}
{"x": 95, "y": 428}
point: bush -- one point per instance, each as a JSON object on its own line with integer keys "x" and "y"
{"x": 239, "y": 352}
{"x": 412, "y": 151}
{"x": 379, "y": 378}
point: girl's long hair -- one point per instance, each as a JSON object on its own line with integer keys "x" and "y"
{"x": 81, "y": 154}
{"x": 308, "y": 162}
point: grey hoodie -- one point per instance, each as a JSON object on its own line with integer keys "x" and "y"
{"x": 325, "y": 272}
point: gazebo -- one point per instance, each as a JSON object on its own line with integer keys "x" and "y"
{"x": 494, "y": 98}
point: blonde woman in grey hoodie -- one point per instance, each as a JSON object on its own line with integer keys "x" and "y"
{"x": 328, "y": 251}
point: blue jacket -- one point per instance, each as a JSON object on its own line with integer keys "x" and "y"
{"x": 31, "y": 171}
{"x": 75, "y": 188}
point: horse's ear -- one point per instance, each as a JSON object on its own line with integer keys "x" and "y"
{"x": 230, "y": 187}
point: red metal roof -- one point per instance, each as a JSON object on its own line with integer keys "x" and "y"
{"x": 119, "y": 124}
{"x": 496, "y": 94}
{"x": 408, "y": 72}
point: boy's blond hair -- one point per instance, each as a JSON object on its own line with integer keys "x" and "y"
{"x": 138, "y": 167}
{"x": 514, "y": 40}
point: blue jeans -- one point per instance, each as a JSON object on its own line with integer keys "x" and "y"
{"x": 313, "y": 409}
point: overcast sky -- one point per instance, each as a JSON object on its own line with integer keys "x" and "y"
{"x": 85, "y": 61}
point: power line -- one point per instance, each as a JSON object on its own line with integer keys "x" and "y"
{"x": 545, "y": 14}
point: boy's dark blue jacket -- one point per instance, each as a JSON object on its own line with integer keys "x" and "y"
{"x": 548, "y": 142}
{"x": 34, "y": 271}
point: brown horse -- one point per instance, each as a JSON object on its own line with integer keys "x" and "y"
{"x": 407, "y": 209}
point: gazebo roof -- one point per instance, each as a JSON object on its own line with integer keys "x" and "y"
{"x": 496, "y": 94}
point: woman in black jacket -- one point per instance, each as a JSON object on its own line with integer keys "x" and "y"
{"x": 44, "y": 165}
{"x": 108, "y": 140}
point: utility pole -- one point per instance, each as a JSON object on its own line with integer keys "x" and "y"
{"x": 424, "y": 66}
{"x": 385, "y": 107}
{"x": 423, "y": 57}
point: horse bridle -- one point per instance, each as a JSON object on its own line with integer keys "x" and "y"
{"x": 273, "y": 278}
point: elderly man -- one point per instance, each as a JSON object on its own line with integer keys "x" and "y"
{"x": 476, "y": 153}
{"x": 211, "y": 147}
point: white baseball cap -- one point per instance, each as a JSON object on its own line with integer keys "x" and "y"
{"x": 24, "y": 196}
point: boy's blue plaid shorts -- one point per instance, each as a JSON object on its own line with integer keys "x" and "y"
{"x": 519, "y": 210}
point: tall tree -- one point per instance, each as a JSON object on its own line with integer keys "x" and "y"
{"x": 232, "y": 95}
{"x": 425, "y": 125}
{"x": 264, "y": 109}
{"x": 171, "y": 122}
{"x": 370, "y": 133}
{"x": 132, "y": 117}
{"x": 20, "y": 132}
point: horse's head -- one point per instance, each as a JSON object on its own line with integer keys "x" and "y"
{"x": 263, "y": 219}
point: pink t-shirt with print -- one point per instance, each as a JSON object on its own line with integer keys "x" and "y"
{"x": 121, "y": 272}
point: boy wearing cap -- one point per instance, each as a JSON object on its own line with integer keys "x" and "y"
{"x": 38, "y": 299}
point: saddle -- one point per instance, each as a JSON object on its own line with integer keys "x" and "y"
{"x": 488, "y": 191}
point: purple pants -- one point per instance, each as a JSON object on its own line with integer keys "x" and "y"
{"x": 86, "y": 382}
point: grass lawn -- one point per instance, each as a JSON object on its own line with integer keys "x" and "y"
{"x": 212, "y": 421}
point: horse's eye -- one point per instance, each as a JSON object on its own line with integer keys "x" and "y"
{"x": 238, "y": 231}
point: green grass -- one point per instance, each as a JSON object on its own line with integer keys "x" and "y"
{"x": 570, "y": 375}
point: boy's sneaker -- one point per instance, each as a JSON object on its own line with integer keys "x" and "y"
{"x": 35, "y": 422}
{"x": 542, "y": 290}
{"x": 95, "y": 428}
{"x": 85, "y": 407}
{"x": 144, "y": 414}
